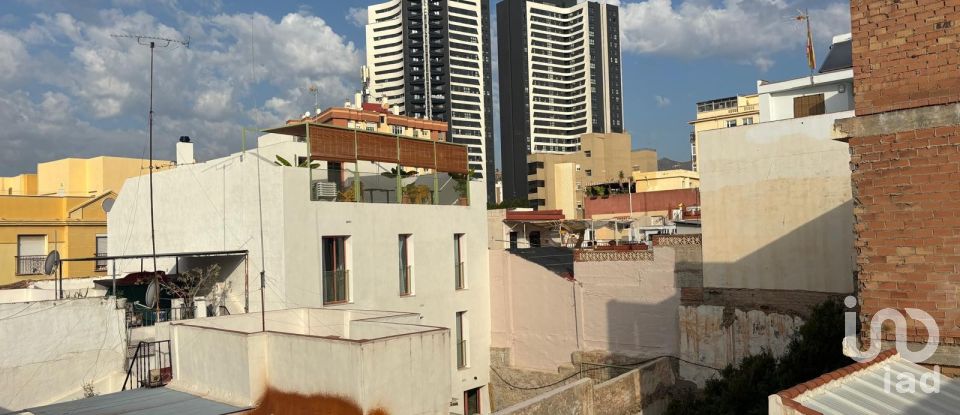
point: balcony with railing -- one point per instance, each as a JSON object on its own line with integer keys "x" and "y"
{"x": 460, "y": 275}
{"x": 30, "y": 264}
{"x": 461, "y": 354}
{"x": 138, "y": 315}
{"x": 396, "y": 169}
{"x": 336, "y": 286}
{"x": 406, "y": 280}
{"x": 100, "y": 265}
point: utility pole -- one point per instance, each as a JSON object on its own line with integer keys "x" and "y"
{"x": 153, "y": 42}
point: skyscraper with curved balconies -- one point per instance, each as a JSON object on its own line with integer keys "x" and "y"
{"x": 560, "y": 78}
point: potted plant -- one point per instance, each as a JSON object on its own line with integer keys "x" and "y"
{"x": 406, "y": 176}
{"x": 600, "y": 191}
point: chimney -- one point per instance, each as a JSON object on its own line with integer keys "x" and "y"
{"x": 358, "y": 100}
{"x": 185, "y": 151}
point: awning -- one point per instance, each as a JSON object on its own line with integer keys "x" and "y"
{"x": 142, "y": 401}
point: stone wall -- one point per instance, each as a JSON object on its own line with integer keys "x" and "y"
{"x": 573, "y": 399}
{"x": 646, "y": 388}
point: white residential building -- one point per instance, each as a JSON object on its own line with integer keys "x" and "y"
{"x": 424, "y": 259}
{"x": 829, "y": 91}
{"x": 431, "y": 59}
{"x": 560, "y": 78}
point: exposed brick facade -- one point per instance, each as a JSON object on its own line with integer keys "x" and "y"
{"x": 906, "y": 53}
{"x": 907, "y": 188}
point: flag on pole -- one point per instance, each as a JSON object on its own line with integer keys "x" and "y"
{"x": 811, "y": 54}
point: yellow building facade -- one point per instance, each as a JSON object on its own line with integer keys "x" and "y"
{"x": 60, "y": 207}
{"x": 656, "y": 181}
{"x": 723, "y": 113}
{"x": 558, "y": 181}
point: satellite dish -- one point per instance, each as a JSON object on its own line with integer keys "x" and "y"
{"x": 50, "y": 265}
{"x": 108, "y": 204}
{"x": 153, "y": 291}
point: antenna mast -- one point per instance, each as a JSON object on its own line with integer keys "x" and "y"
{"x": 153, "y": 42}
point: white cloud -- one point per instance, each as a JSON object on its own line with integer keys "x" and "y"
{"x": 746, "y": 31}
{"x": 357, "y": 16}
{"x": 661, "y": 101}
{"x": 240, "y": 70}
{"x": 12, "y": 54}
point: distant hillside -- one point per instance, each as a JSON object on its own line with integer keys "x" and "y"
{"x": 668, "y": 164}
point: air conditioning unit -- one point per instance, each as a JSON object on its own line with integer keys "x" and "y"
{"x": 324, "y": 190}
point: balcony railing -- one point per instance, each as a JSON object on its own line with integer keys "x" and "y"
{"x": 461, "y": 354}
{"x": 414, "y": 188}
{"x": 406, "y": 274}
{"x": 336, "y": 286}
{"x": 461, "y": 275}
{"x": 30, "y": 264}
{"x": 141, "y": 316}
{"x": 100, "y": 265}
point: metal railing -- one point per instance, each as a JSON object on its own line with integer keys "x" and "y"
{"x": 406, "y": 274}
{"x": 30, "y": 264}
{"x": 336, "y": 286}
{"x": 383, "y": 186}
{"x": 141, "y": 316}
{"x": 461, "y": 271}
{"x": 150, "y": 366}
{"x": 461, "y": 354}
{"x": 100, "y": 265}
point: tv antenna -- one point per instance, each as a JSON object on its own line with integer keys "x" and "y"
{"x": 153, "y": 42}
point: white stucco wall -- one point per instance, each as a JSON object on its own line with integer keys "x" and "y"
{"x": 624, "y": 307}
{"x": 215, "y": 206}
{"x": 777, "y": 206}
{"x": 388, "y": 363}
{"x": 53, "y": 348}
{"x": 776, "y": 99}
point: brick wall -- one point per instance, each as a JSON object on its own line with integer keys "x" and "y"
{"x": 907, "y": 189}
{"x": 905, "y": 53}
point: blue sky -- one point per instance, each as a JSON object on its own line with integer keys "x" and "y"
{"x": 68, "y": 88}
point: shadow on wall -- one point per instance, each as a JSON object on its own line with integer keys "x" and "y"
{"x": 277, "y": 402}
{"x": 816, "y": 256}
{"x": 740, "y": 308}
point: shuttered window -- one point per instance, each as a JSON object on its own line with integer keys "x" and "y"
{"x": 808, "y": 105}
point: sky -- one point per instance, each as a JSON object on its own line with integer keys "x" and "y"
{"x": 69, "y": 88}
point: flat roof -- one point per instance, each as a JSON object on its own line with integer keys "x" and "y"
{"x": 142, "y": 401}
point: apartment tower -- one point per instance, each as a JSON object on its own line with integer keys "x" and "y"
{"x": 560, "y": 78}
{"x": 431, "y": 59}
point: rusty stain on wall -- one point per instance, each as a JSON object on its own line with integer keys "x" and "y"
{"x": 276, "y": 402}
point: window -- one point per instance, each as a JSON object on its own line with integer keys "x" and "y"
{"x": 336, "y": 277}
{"x": 459, "y": 270}
{"x": 406, "y": 271}
{"x": 31, "y": 254}
{"x": 587, "y": 153}
{"x": 462, "y": 355}
{"x": 101, "y": 251}
{"x": 398, "y": 130}
{"x": 533, "y": 166}
{"x": 731, "y": 123}
{"x": 806, "y": 106}
{"x": 748, "y": 121}
{"x": 589, "y": 172}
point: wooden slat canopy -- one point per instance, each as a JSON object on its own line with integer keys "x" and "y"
{"x": 330, "y": 143}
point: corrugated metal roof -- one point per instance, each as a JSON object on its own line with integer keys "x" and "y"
{"x": 873, "y": 390}
{"x": 143, "y": 401}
